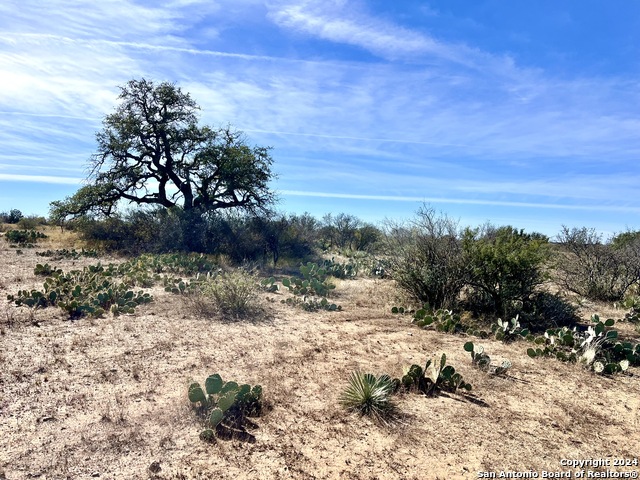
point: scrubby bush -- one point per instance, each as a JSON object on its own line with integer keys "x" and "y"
{"x": 240, "y": 237}
{"x": 596, "y": 269}
{"x": 234, "y": 293}
{"x": 111, "y": 234}
{"x": 267, "y": 237}
{"x": 505, "y": 267}
{"x": 347, "y": 233}
{"x": 426, "y": 259}
{"x": 12, "y": 216}
{"x": 31, "y": 222}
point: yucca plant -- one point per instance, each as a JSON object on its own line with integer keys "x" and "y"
{"x": 369, "y": 395}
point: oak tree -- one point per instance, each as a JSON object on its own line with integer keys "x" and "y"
{"x": 152, "y": 152}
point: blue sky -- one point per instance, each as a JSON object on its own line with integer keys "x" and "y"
{"x": 518, "y": 112}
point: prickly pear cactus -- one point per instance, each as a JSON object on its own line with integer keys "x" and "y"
{"x": 434, "y": 377}
{"x": 225, "y": 406}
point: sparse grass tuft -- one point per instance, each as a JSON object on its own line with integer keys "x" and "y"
{"x": 234, "y": 293}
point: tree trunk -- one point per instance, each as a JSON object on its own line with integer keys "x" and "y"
{"x": 193, "y": 231}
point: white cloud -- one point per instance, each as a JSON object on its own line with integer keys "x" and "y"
{"x": 436, "y": 117}
{"x": 40, "y": 179}
{"x": 460, "y": 201}
{"x": 343, "y": 22}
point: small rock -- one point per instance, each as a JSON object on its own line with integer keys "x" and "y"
{"x": 155, "y": 467}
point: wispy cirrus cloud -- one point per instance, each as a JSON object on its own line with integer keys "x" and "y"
{"x": 351, "y": 23}
{"x": 338, "y": 22}
{"x": 461, "y": 201}
{"x": 13, "y": 177}
{"x": 416, "y": 115}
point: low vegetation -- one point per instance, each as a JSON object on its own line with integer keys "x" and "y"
{"x": 368, "y": 394}
{"x": 24, "y": 238}
{"x": 225, "y": 407}
{"x": 435, "y": 377}
{"x": 205, "y": 244}
{"x": 497, "y": 290}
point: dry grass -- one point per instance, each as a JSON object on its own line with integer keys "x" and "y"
{"x": 108, "y": 397}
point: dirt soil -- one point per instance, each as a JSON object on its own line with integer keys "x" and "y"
{"x": 107, "y": 398}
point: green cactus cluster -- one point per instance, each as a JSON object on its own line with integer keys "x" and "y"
{"x": 370, "y": 265}
{"x": 46, "y": 270}
{"x": 99, "y": 288}
{"x": 178, "y": 286}
{"x": 72, "y": 254}
{"x": 433, "y": 378}
{"x": 311, "y": 304}
{"x": 509, "y": 331}
{"x": 314, "y": 281}
{"x": 311, "y": 291}
{"x": 225, "y": 406}
{"x": 339, "y": 270}
{"x": 91, "y": 291}
{"x": 596, "y": 347}
{"x": 442, "y": 320}
{"x": 269, "y": 284}
{"x": 481, "y": 360}
{"x": 24, "y": 238}
{"x": 632, "y": 304}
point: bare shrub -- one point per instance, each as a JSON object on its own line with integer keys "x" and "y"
{"x": 596, "y": 269}
{"x": 426, "y": 258}
{"x": 233, "y": 293}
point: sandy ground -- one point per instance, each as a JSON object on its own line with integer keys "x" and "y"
{"x": 107, "y": 398}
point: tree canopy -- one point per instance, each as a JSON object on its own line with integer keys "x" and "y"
{"x": 151, "y": 151}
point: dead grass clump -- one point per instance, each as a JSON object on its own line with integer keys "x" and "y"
{"x": 233, "y": 294}
{"x": 7, "y": 315}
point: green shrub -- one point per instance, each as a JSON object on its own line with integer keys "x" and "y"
{"x": 370, "y": 395}
{"x": 12, "y": 216}
{"x": 505, "y": 266}
{"x": 31, "y": 222}
{"x": 347, "y": 233}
